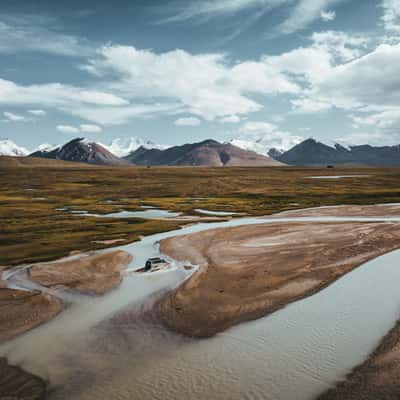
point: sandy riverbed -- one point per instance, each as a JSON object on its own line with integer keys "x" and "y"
{"x": 96, "y": 274}
{"x": 250, "y": 271}
{"x": 21, "y": 311}
{"x": 379, "y": 210}
{"x": 16, "y": 384}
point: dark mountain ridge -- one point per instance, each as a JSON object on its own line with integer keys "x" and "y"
{"x": 81, "y": 150}
{"x": 313, "y": 153}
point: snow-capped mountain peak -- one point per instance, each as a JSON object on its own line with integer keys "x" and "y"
{"x": 121, "y": 147}
{"x": 9, "y": 148}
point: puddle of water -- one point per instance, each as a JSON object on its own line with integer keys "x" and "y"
{"x": 151, "y": 213}
{"x": 148, "y": 213}
{"x": 216, "y": 213}
{"x": 337, "y": 176}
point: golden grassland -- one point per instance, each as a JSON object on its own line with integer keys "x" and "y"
{"x": 32, "y": 189}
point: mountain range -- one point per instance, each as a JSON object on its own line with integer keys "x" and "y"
{"x": 136, "y": 151}
{"x": 205, "y": 153}
{"x": 81, "y": 150}
{"x": 313, "y": 153}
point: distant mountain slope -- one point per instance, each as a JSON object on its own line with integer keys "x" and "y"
{"x": 206, "y": 153}
{"x": 9, "y": 148}
{"x": 311, "y": 152}
{"x": 81, "y": 150}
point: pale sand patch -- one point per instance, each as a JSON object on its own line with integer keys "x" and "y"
{"x": 97, "y": 273}
{"x": 296, "y": 288}
{"x": 108, "y": 242}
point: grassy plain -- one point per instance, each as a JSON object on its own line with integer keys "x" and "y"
{"x": 32, "y": 190}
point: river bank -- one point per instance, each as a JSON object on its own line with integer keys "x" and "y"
{"x": 247, "y": 272}
{"x": 253, "y": 267}
{"x": 90, "y": 273}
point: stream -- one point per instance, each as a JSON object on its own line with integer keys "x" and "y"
{"x": 112, "y": 347}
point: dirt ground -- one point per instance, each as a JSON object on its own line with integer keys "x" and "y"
{"x": 383, "y": 210}
{"x": 15, "y": 384}
{"x": 21, "y": 311}
{"x": 247, "y": 272}
{"x": 96, "y": 274}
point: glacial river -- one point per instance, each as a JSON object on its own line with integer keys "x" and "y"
{"x": 111, "y": 347}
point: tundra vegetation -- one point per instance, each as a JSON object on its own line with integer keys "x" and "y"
{"x": 34, "y": 193}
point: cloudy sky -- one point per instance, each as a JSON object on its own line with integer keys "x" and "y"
{"x": 175, "y": 71}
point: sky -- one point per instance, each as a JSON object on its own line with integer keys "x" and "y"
{"x": 174, "y": 71}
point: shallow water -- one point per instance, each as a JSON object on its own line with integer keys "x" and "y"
{"x": 148, "y": 213}
{"x": 109, "y": 348}
{"x": 216, "y": 213}
{"x": 337, "y": 176}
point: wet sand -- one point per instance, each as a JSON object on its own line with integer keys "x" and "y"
{"x": 378, "y": 210}
{"x": 16, "y": 384}
{"x": 93, "y": 274}
{"x": 377, "y": 378}
{"x": 21, "y": 311}
{"x": 247, "y": 272}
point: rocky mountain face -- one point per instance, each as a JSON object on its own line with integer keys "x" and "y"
{"x": 81, "y": 150}
{"x": 312, "y": 152}
{"x": 205, "y": 153}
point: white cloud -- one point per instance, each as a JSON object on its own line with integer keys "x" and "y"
{"x": 211, "y": 8}
{"x": 391, "y": 15}
{"x": 84, "y": 128}
{"x": 37, "y": 113}
{"x": 189, "y": 121}
{"x": 387, "y": 121}
{"x": 371, "y": 80}
{"x": 29, "y": 33}
{"x": 67, "y": 129}
{"x": 14, "y": 117}
{"x": 207, "y": 85}
{"x": 92, "y": 105}
{"x": 304, "y": 13}
{"x": 54, "y": 95}
{"x": 309, "y": 105}
{"x": 327, "y": 16}
{"x": 231, "y": 119}
{"x": 301, "y": 12}
{"x": 88, "y": 128}
{"x": 263, "y": 136}
{"x": 121, "y": 115}
{"x": 341, "y": 45}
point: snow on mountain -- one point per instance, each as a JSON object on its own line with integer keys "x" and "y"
{"x": 9, "y": 148}
{"x": 121, "y": 147}
{"x": 47, "y": 147}
{"x": 263, "y": 143}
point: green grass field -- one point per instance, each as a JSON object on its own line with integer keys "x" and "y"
{"x": 32, "y": 189}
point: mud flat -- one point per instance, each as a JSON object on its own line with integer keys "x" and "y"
{"x": 377, "y": 378}
{"x": 18, "y": 384}
{"x": 247, "y": 272}
{"x": 21, "y": 311}
{"x": 379, "y": 210}
{"x": 96, "y": 274}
